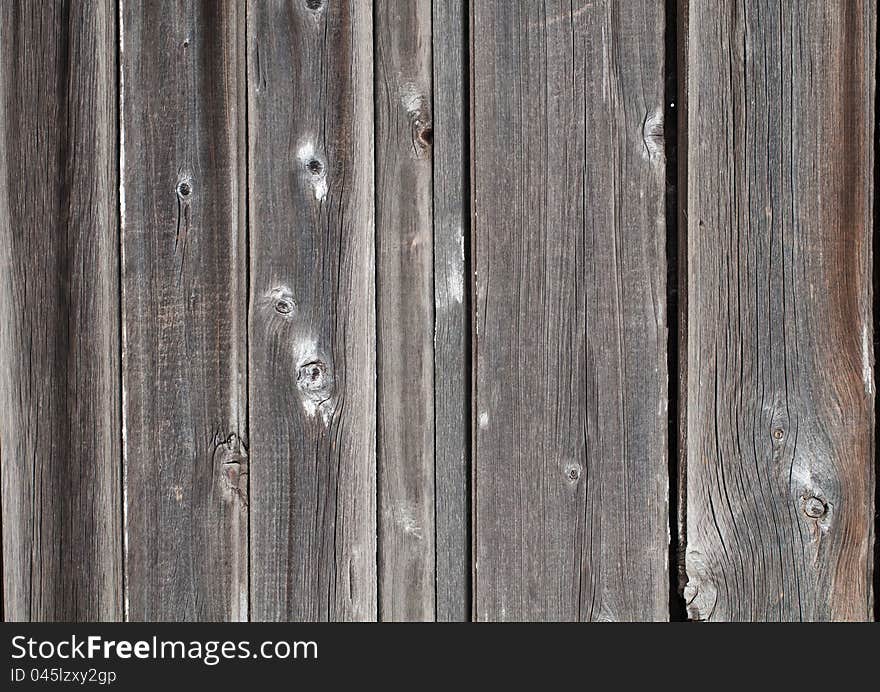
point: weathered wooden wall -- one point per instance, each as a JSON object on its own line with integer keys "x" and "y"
{"x": 357, "y": 310}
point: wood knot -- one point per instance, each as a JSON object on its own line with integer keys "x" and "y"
{"x": 283, "y": 306}
{"x": 311, "y": 376}
{"x": 281, "y": 300}
{"x": 778, "y": 434}
{"x": 314, "y": 168}
{"x": 652, "y": 134}
{"x": 573, "y": 472}
{"x": 815, "y": 508}
{"x": 314, "y": 5}
{"x": 314, "y": 380}
{"x": 231, "y": 461}
{"x": 184, "y": 188}
{"x": 424, "y": 133}
{"x": 418, "y": 110}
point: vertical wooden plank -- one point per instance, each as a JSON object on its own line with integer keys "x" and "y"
{"x": 451, "y": 318}
{"x": 184, "y": 293}
{"x": 405, "y": 300}
{"x": 570, "y": 345}
{"x": 780, "y": 381}
{"x": 312, "y": 310}
{"x": 59, "y": 300}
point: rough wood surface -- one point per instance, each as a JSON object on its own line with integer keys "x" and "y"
{"x": 184, "y": 293}
{"x": 780, "y": 363}
{"x": 59, "y": 312}
{"x": 405, "y": 300}
{"x": 570, "y": 328}
{"x": 312, "y": 311}
{"x": 452, "y": 424}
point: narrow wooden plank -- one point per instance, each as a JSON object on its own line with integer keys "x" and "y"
{"x": 184, "y": 293}
{"x": 405, "y": 299}
{"x": 780, "y": 366}
{"x": 59, "y": 302}
{"x": 570, "y": 345}
{"x": 451, "y": 319}
{"x": 312, "y": 310}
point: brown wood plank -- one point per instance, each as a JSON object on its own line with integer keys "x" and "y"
{"x": 405, "y": 299}
{"x": 59, "y": 319}
{"x": 570, "y": 329}
{"x": 451, "y": 317}
{"x": 184, "y": 293}
{"x": 780, "y": 365}
{"x": 312, "y": 311}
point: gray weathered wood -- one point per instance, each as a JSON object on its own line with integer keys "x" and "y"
{"x": 570, "y": 329}
{"x": 59, "y": 320}
{"x": 312, "y": 310}
{"x": 780, "y": 364}
{"x": 451, "y": 318}
{"x": 405, "y": 300}
{"x": 184, "y": 301}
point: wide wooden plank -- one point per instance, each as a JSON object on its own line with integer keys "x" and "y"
{"x": 312, "y": 310}
{"x": 59, "y": 321}
{"x": 780, "y": 364}
{"x": 184, "y": 293}
{"x": 405, "y": 299}
{"x": 780, "y": 394}
{"x": 451, "y": 310}
{"x": 570, "y": 328}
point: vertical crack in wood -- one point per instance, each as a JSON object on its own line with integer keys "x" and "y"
{"x": 377, "y": 358}
{"x": 244, "y": 173}
{"x": 674, "y": 114}
{"x": 467, "y": 256}
{"x": 875, "y": 301}
{"x": 120, "y": 162}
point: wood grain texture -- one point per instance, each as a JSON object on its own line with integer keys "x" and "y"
{"x": 312, "y": 311}
{"x": 59, "y": 319}
{"x": 452, "y": 424}
{"x": 780, "y": 364}
{"x": 405, "y": 298}
{"x": 570, "y": 329}
{"x": 184, "y": 301}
